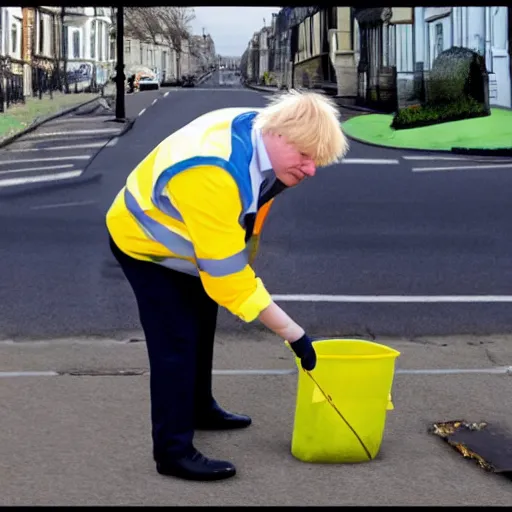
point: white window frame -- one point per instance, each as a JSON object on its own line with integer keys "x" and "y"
{"x": 72, "y": 33}
{"x": 15, "y": 46}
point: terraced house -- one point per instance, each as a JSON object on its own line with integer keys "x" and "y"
{"x": 196, "y": 57}
{"x": 11, "y": 56}
{"x": 375, "y": 56}
{"x": 311, "y": 47}
{"x": 58, "y": 48}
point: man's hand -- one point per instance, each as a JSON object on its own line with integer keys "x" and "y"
{"x": 305, "y": 351}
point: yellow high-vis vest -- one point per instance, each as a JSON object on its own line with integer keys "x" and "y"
{"x": 196, "y": 204}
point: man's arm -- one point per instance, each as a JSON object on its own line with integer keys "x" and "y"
{"x": 209, "y": 202}
{"x": 208, "y": 199}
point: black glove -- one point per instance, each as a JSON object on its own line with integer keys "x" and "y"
{"x": 304, "y": 350}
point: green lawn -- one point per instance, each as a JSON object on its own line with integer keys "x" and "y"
{"x": 20, "y": 116}
{"x": 490, "y": 132}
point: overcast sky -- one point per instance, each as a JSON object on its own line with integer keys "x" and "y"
{"x": 231, "y": 27}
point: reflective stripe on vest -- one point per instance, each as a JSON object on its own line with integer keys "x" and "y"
{"x": 225, "y": 266}
{"x": 182, "y": 247}
{"x": 239, "y": 161}
{"x": 161, "y": 201}
{"x": 158, "y": 232}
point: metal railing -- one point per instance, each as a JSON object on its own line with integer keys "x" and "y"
{"x": 11, "y": 85}
{"x": 19, "y": 79}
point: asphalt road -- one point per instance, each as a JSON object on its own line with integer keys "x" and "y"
{"x": 371, "y": 226}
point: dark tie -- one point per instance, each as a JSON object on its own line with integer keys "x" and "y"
{"x": 264, "y": 197}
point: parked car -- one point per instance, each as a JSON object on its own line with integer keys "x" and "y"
{"x": 148, "y": 82}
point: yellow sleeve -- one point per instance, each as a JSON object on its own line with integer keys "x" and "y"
{"x": 209, "y": 202}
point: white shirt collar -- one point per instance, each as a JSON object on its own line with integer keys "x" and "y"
{"x": 260, "y": 156}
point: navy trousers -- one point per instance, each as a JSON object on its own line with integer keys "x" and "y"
{"x": 179, "y": 321}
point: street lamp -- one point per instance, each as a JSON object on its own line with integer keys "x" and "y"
{"x": 120, "y": 105}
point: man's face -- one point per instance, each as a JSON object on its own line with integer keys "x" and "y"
{"x": 289, "y": 164}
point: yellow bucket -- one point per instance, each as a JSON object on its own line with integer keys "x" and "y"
{"x": 341, "y": 405}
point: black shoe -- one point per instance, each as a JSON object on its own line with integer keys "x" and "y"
{"x": 219, "y": 419}
{"x": 196, "y": 467}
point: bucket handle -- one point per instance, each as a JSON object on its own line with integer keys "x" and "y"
{"x": 328, "y": 398}
{"x": 331, "y": 403}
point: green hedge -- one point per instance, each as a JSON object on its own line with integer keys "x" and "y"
{"x": 417, "y": 116}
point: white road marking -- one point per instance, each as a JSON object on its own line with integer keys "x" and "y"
{"x": 92, "y": 145}
{"x": 462, "y": 167}
{"x": 53, "y": 159}
{"x": 497, "y": 370}
{"x": 142, "y": 111}
{"x": 29, "y": 374}
{"x": 419, "y": 371}
{"x": 44, "y": 168}
{"x": 70, "y": 133}
{"x": 379, "y": 161}
{"x": 62, "y": 205}
{"x": 223, "y": 89}
{"x": 165, "y": 95}
{"x": 456, "y": 371}
{"x": 154, "y": 101}
{"x": 113, "y": 142}
{"x": 393, "y": 298}
{"x": 424, "y": 157}
{"x": 39, "y": 179}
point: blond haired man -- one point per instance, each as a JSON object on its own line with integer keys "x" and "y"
{"x": 185, "y": 230}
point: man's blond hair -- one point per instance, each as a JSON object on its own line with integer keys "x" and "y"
{"x": 309, "y": 121}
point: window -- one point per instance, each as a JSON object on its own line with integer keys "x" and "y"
{"x": 498, "y": 27}
{"x": 14, "y": 38}
{"x": 65, "y": 42}
{"x": 93, "y": 39}
{"x": 106, "y": 39}
{"x": 51, "y": 30}
{"x": 439, "y": 38}
{"x": 101, "y": 41}
{"x": 44, "y": 34}
{"x": 127, "y": 47}
{"x": 76, "y": 44}
{"x": 40, "y": 47}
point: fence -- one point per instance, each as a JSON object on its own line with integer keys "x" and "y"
{"x": 46, "y": 81}
{"x": 19, "y": 79}
{"x": 11, "y": 85}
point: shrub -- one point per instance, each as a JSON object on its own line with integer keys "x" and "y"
{"x": 417, "y": 116}
{"x": 455, "y": 89}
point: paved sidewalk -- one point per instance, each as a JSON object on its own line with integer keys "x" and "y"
{"x": 80, "y": 435}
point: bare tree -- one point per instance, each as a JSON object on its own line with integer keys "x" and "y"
{"x": 175, "y": 28}
{"x": 161, "y": 25}
{"x": 142, "y": 23}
